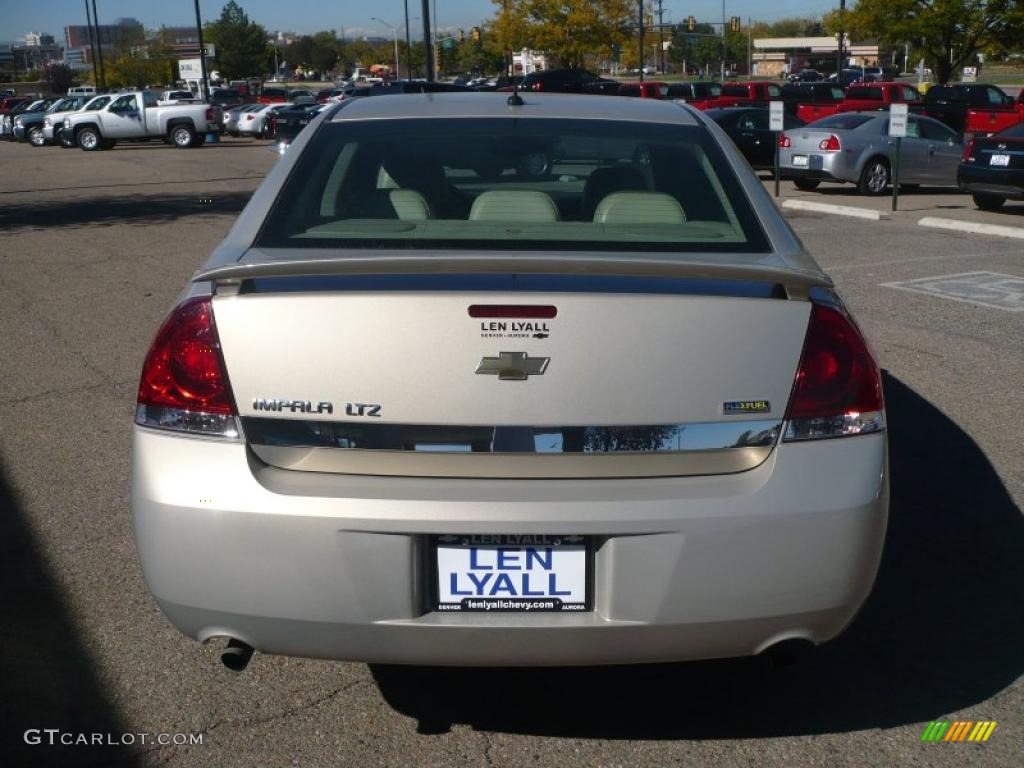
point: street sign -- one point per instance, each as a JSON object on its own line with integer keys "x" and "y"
{"x": 970, "y": 74}
{"x": 898, "y": 120}
{"x": 775, "y": 115}
{"x": 190, "y": 69}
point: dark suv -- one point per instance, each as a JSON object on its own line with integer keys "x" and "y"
{"x": 391, "y": 87}
{"x": 568, "y": 81}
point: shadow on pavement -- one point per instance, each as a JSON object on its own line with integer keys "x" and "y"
{"x": 47, "y": 679}
{"x": 943, "y": 630}
{"x": 139, "y": 210}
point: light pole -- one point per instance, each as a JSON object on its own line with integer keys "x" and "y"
{"x": 640, "y": 21}
{"x": 408, "y": 44}
{"x": 394, "y": 32}
{"x": 723, "y": 39}
{"x": 204, "y": 88}
{"x": 428, "y": 51}
{"x": 99, "y": 46}
{"x": 92, "y": 46}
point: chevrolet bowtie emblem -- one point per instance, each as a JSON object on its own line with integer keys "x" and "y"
{"x": 513, "y": 366}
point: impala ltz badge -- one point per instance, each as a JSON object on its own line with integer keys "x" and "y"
{"x": 513, "y": 366}
{"x": 746, "y": 406}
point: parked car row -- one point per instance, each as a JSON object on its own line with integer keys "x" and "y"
{"x": 855, "y": 148}
{"x": 99, "y": 122}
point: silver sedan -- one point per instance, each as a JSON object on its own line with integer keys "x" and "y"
{"x": 856, "y": 147}
{"x": 608, "y": 412}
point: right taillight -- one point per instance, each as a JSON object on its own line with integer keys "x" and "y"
{"x": 838, "y": 388}
{"x": 184, "y": 385}
{"x": 784, "y": 141}
{"x": 968, "y": 153}
{"x": 831, "y": 144}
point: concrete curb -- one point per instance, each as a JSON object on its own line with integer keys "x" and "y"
{"x": 836, "y": 210}
{"x": 973, "y": 227}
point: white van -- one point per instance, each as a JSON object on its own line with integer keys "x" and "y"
{"x": 82, "y": 90}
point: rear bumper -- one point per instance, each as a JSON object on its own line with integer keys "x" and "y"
{"x": 823, "y": 166}
{"x": 987, "y": 181}
{"x": 333, "y": 566}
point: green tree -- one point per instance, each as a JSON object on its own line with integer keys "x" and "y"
{"x": 948, "y": 33}
{"x": 570, "y": 30}
{"x": 242, "y": 47}
{"x": 135, "y": 70}
{"x": 325, "y": 51}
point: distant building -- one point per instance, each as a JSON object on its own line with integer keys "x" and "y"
{"x": 776, "y": 56}
{"x": 526, "y": 61}
{"x": 24, "y": 57}
{"x": 123, "y": 34}
{"x": 35, "y": 38}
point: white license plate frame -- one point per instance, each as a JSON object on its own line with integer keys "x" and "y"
{"x": 1000, "y": 160}
{"x": 557, "y": 564}
{"x": 801, "y": 161}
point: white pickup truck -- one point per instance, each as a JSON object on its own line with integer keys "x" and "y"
{"x": 135, "y": 116}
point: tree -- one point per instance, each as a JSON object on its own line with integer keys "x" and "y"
{"x": 949, "y": 33}
{"x": 134, "y": 70}
{"x": 58, "y": 78}
{"x": 242, "y": 47}
{"x": 570, "y": 30}
{"x": 325, "y": 51}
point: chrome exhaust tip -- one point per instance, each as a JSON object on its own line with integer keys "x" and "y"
{"x": 236, "y": 655}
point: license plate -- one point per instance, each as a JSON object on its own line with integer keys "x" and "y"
{"x": 511, "y": 573}
{"x": 800, "y": 160}
{"x": 999, "y": 160}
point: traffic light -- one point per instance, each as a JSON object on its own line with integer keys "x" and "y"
{"x": 475, "y": 34}
{"x": 734, "y": 24}
{"x": 462, "y": 35}
{"x": 691, "y": 24}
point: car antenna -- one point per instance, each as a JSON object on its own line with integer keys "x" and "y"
{"x": 515, "y": 100}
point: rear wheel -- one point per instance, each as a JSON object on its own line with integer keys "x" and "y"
{"x": 36, "y": 137}
{"x": 989, "y": 202}
{"x": 182, "y": 136}
{"x": 874, "y": 179}
{"x": 807, "y": 185}
{"x": 89, "y": 139}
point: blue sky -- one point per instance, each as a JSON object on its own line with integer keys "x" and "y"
{"x": 17, "y": 18}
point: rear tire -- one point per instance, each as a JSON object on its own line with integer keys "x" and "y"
{"x": 89, "y": 139}
{"x": 989, "y": 202}
{"x": 182, "y": 136}
{"x": 807, "y": 185}
{"x": 874, "y": 179}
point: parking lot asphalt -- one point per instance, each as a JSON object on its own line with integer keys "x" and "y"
{"x": 94, "y": 248}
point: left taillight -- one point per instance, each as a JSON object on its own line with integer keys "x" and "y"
{"x": 184, "y": 385}
{"x": 968, "y": 156}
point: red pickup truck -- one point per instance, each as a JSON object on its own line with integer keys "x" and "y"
{"x": 754, "y": 94}
{"x": 992, "y": 119}
{"x": 864, "y": 97}
{"x": 698, "y": 95}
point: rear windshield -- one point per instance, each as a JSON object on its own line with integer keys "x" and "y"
{"x": 944, "y": 93}
{"x": 541, "y": 184}
{"x": 842, "y": 122}
{"x": 275, "y": 93}
{"x": 1013, "y": 132}
{"x": 867, "y": 94}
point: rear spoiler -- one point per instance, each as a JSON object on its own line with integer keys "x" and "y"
{"x": 796, "y": 282}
